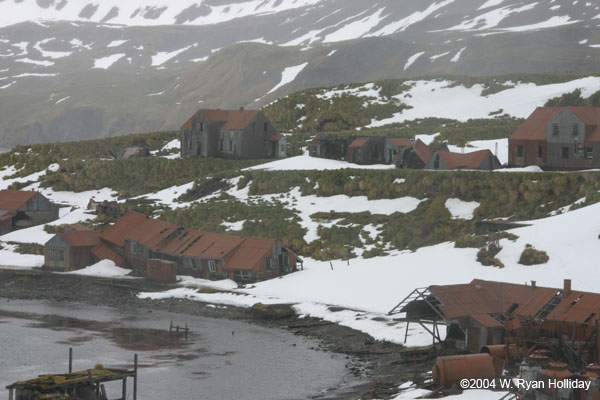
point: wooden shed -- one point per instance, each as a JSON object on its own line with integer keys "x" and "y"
{"x": 70, "y": 251}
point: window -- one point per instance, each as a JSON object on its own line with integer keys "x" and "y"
{"x": 540, "y": 151}
{"x": 588, "y": 153}
{"x": 436, "y": 162}
{"x": 575, "y": 129}
{"x": 242, "y": 275}
{"x": 230, "y": 145}
{"x": 519, "y": 151}
{"x": 286, "y": 260}
{"x": 212, "y": 265}
{"x": 266, "y": 127}
{"x": 201, "y": 126}
{"x": 555, "y": 130}
{"x": 565, "y": 153}
{"x": 51, "y": 254}
{"x": 512, "y": 308}
{"x": 61, "y": 255}
{"x": 268, "y": 263}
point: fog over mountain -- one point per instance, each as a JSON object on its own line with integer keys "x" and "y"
{"x": 72, "y": 69}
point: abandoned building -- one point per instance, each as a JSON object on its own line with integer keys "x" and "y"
{"x": 239, "y": 134}
{"x": 70, "y": 250}
{"x": 367, "y": 150}
{"x": 483, "y": 313}
{"x": 482, "y": 160}
{"x": 23, "y": 209}
{"x": 393, "y": 147}
{"x": 416, "y": 156}
{"x": 332, "y": 147}
{"x": 137, "y": 242}
{"x": 557, "y": 138}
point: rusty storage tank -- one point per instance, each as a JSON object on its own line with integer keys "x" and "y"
{"x": 448, "y": 371}
{"x": 503, "y": 352}
{"x": 592, "y": 373}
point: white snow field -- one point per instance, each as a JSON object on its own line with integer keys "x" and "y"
{"x": 103, "y": 268}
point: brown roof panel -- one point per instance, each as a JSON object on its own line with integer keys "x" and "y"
{"x": 80, "y": 238}
{"x": 251, "y": 252}
{"x": 587, "y": 115}
{"x": 577, "y": 307}
{"x": 359, "y": 142}
{"x": 471, "y": 160}
{"x": 232, "y": 119}
{"x": 534, "y": 127}
{"x": 212, "y": 245}
{"x": 116, "y": 233}
{"x": 14, "y": 199}
{"x": 103, "y": 252}
{"x": 422, "y": 151}
{"x": 152, "y": 232}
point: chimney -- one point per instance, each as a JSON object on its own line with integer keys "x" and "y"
{"x": 533, "y": 284}
{"x": 567, "y": 287}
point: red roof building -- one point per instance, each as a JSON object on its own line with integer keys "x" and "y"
{"x": 482, "y": 160}
{"x": 557, "y": 138}
{"x": 23, "y": 209}
{"x": 241, "y": 134}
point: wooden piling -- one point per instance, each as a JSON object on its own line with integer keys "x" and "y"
{"x": 70, "y": 359}
{"x": 124, "y": 389}
{"x": 135, "y": 370}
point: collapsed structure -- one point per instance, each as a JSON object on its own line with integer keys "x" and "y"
{"x": 484, "y": 313}
{"x": 401, "y": 152}
{"x": 140, "y": 243}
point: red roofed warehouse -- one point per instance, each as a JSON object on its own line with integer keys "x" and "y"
{"x": 240, "y": 134}
{"x": 367, "y": 150}
{"x": 22, "y": 209}
{"x": 557, "y": 138}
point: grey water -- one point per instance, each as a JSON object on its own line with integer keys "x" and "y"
{"x": 219, "y": 359}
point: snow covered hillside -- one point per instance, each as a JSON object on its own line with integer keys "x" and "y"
{"x": 100, "y": 69}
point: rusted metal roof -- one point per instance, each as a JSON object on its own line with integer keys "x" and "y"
{"x": 486, "y": 297}
{"x": 232, "y": 119}
{"x": 359, "y": 142}
{"x": 422, "y": 151}
{"x": 252, "y": 252}
{"x": 275, "y": 138}
{"x": 14, "y": 199}
{"x": 577, "y": 307}
{"x": 152, "y": 232}
{"x": 471, "y": 160}
{"x": 87, "y": 238}
{"x": 116, "y": 233}
{"x": 534, "y": 127}
{"x": 400, "y": 142}
{"x": 103, "y": 252}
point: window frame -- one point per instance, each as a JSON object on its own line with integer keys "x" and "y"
{"x": 520, "y": 151}
{"x": 212, "y": 266}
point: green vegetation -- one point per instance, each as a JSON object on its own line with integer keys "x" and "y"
{"x": 28, "y": 248}
{"x": 486, "y": 255}
{"x": 37, "y": 157}
{"x": 531, "y": 256}
{"x": 574, "y": 99}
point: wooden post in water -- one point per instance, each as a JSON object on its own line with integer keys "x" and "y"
{"x": 135, "y": 368}
{"x": 70, "y": 359}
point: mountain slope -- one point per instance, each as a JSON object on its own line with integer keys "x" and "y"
{"x": 84, "y": 70}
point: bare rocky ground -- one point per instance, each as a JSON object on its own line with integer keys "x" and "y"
{"x": 378, "y": 365}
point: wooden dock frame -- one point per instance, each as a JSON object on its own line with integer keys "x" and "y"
{"x": 96, "y": 382}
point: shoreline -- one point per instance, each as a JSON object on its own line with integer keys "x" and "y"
{"x": 375, "y": 365}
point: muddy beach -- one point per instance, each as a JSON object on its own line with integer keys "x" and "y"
{"x": 372, "y": 369}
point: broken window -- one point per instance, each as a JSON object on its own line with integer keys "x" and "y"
{"x": 212, "y": 265}
{"x": 555, "y": 130}
{"x": 588, "y": 319}
{"x": 519, "y": 151}
{"x": 588, "y": 153}
{"x": 565, "y": 153}
{"x": 575, "y": 129}
{"x": 266, "y": 127}
{"x": 268, "y": 263}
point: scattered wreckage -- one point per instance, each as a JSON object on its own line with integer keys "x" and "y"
{"x": 533, "y": 342}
